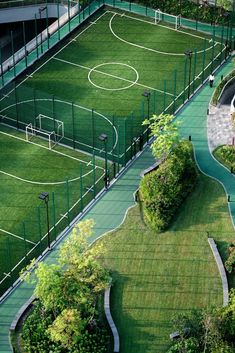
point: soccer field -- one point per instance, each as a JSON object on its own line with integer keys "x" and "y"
{"x": 95, "y": 81}
{"x": 71, "y": 178}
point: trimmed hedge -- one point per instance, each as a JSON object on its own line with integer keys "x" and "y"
{"x": 164, "y": 190}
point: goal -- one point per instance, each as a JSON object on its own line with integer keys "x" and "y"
{"x": 166, "y": 17}
{"x": 46, "y": 127}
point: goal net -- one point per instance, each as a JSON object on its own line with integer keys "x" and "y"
{"x": 166, "y": 17}
{"x": 46, "y": 127}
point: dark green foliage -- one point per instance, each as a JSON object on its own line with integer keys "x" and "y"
{"x": 164, "y": 190}
{"x": 189, "y": 9}
{"x": 36, "y": 339}
{"x": 226, "y": 156}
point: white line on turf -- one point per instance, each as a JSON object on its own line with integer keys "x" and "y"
{"x": 51, "y": 150}
{"x": 150, "y": 49}
{"x": 16, "y": 236}
{"x": 159, "y": 25}
{"x": 58, "y": 51}
{"x": 107, "y": 74}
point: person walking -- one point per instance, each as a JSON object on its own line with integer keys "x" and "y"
{"x": 211, "y": 79}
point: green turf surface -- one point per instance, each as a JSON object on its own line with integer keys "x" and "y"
{"x": 158, "y": 275}
{"x": 27, "y": 169}
{"x": 104, "y": 68}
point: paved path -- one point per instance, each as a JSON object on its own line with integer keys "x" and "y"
{"x": 109, "y": 212}
{"x": 220, "y": 129}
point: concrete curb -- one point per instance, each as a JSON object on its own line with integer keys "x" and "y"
{"x": 110, "y": 320}
{"x": 221, "y": 269}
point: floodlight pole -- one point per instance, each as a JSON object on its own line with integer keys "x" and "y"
{"x": 40, "y": 14}
{"x": 147, "y": 95}
{"x": 189, "y": 54}
{"x": 104, "y": 139}
{"x": 44, "y": 196}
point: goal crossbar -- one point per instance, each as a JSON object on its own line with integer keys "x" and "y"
{"x": 31, "y": 131}
{"x": 58, "y": 126}
{"x": 166, "y": 17}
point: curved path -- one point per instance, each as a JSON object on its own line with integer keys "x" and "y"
{"x": 193, "y": 120}
{"x": 110, "y": 210}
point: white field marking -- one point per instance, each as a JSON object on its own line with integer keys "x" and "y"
{"x": 150, "y": 49}
{"x": 93, "y": 23}
{"x": 55, "y": 54}
{"x": 6, "y": 274}
{"x": 44, "y": 183}
{"x": 105, "y": 73}
{"x": 114, "y": 89}
{"x": 17, "y": 236}
{"x": 73, "y": 40}
{"x": 153, "y": 23}
{"x": 75, "y": 105}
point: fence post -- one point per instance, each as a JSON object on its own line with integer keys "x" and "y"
{"x": 175, "y": 91}
{"x": 221, "y": 45}
{"x": 40, "y": 229}
{"x": 73, "y": 126}
{"x": 69, "y": 14}
{"x": 13, "y": 54}
{"x": 94, "y": 174}
{"x": 54, "y": 213}
{"x": 2, "y": 74}
{"x": 113, "y": 139}
{"x": 213, "y": 50}
{"x": 118, "y": 148}
{"x": 67, "y": 197}
{"x": 25, "y": 49}
{"x": 164, "y": 97}
{"x": 203, "y": 61}
{"x": 194, "y": 68}
{"x": 58, "y": 14}
{"x": 81, "y": 189}
{"x": 25, "y": 246}
{"x": 124, "y": 142}
{"x": 48, "y": 34}
{"x": 93, "y": 128}
{"x": 16, "y": 104}
{"x": 36, "y": 33}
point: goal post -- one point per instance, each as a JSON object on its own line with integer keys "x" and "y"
{"x": 47, "y": 128}
{"x": 31, "y": 131}
{"x": 166, "y": 17}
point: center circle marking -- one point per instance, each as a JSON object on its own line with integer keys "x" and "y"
{"x": 113, "y": 89}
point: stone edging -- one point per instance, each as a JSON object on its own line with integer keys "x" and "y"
{"x": 110, "y": 320}
{"x": 221, "y": 270}
{"x": 21, "y": 313}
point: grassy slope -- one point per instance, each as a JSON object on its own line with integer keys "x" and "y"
{"x": 158, "y": 275}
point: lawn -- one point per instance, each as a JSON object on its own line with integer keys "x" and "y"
{"x": 159, "y": 275}
{"x": 70, "y": 177}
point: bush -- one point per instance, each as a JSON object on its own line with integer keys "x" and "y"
{"x": 164, "y": 190}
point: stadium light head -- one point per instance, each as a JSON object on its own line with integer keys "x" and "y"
{"x": 188, "y": 53}
{"x": 44, "y": 196}
{"x": 103, "y": 137}
{"x": 146, "y": 94}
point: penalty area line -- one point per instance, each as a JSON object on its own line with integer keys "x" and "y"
{"x": 17, "y": 236}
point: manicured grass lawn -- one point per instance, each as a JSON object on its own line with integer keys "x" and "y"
{"x": 159, "y": 275}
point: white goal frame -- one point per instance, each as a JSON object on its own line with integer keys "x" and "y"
{"x": 164, "y": 16}
{"x": 31, "y": 131}
{"x": 58, "y": 126}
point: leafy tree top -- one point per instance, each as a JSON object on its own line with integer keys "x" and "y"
{"x": 165, "y": 132}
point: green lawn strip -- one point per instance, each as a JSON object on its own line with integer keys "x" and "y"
{"x": 158, "y": 275}
{"x": 226, "y": 156}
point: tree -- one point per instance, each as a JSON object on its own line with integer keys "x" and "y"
{"x": 165, "y": 132}
{"x": 225, "y": 4}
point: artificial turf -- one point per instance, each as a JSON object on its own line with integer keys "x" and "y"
{"x": 156, "y": 276}
{"x": 27, "y": 169}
